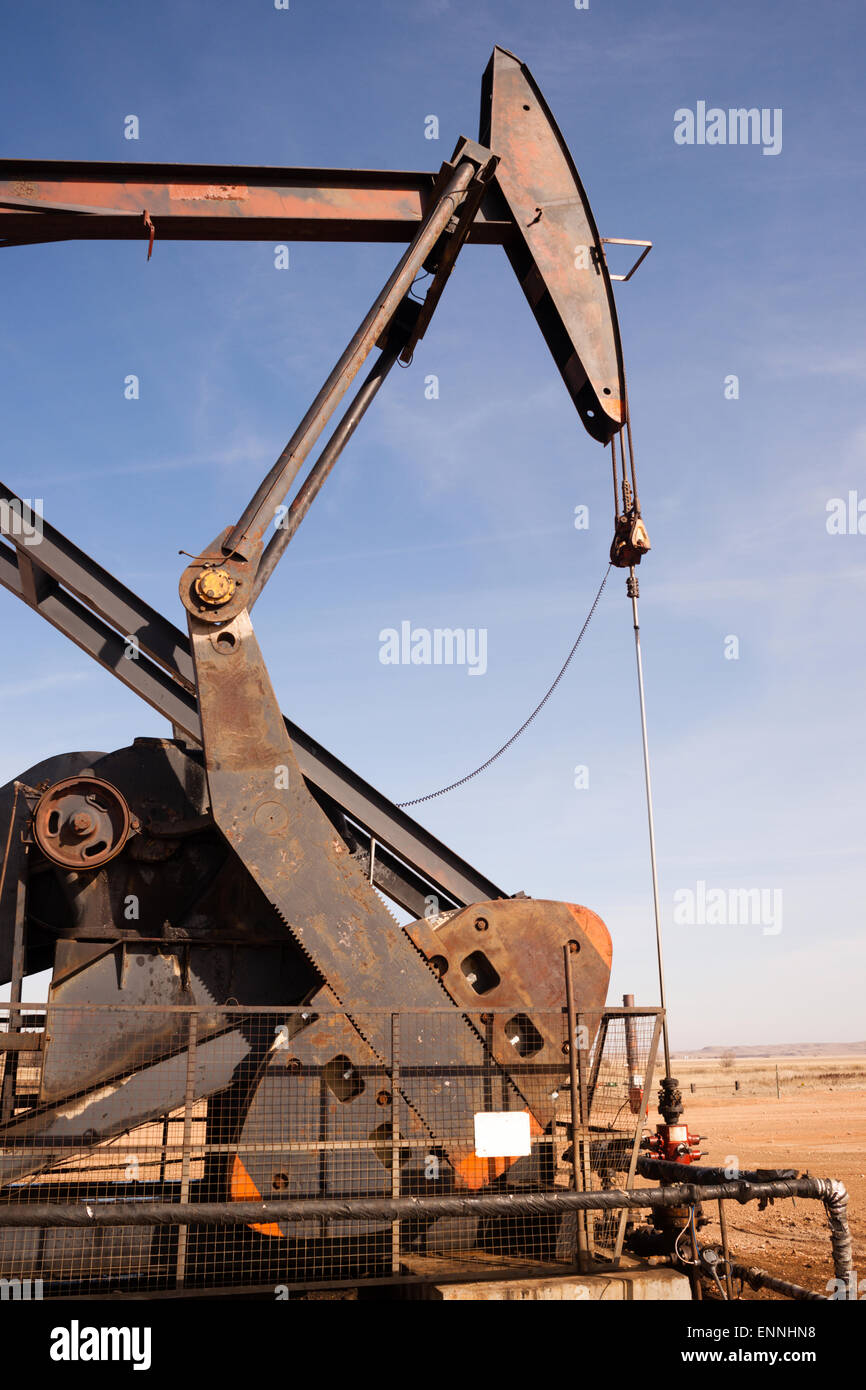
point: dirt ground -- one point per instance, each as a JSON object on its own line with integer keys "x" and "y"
{"x": 819, "y": 1132}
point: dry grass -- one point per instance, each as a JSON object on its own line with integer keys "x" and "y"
{"x": 715, "y": 1076}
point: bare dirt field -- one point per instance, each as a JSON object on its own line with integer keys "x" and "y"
{"x": 820, "y": 1131}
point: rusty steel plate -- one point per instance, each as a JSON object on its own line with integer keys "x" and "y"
{"x": 502, "y": 962}
{"x": 556, "y": 251}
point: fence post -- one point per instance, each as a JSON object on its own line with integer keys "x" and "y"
{"x": 15, "y": 859}
{"x": 577, "y": 1117}
{"x": 187, "y": 1143}
{"x": 395, "y": 1136}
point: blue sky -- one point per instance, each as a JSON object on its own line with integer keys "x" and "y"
{"x": 458, "y": 512}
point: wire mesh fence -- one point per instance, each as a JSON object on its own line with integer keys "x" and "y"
{"x": 188, "y": 1105}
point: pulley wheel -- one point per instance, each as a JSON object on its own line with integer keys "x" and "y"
{"x": 81, "y": 822}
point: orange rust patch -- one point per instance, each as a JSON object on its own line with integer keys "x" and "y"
{"x": 208, "y": 192}
{"x": 594, "y": 928}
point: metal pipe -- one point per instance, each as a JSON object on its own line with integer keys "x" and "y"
{"x": 760, "y": 1279}
{"x": 726, "y": 1250}
{"x": 632, "y": 591}
{"x": 631, "y": 1052}
{"x": 384, "y": 1209}
{"x": 627, "y": 431}
{"x": 836, "y": 1207}
{"x": 663, "y": 1170}
{"x": 274, "y": 487}
{"x": 578, "y": 1118}
{"x": 311, "y": 485}
{"x": 697, "y": 1291}
{"x": 833, "y": 1194}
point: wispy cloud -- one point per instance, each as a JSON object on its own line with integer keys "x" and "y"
{"x": 13, "y": 689}
{"x": 249, "y": 451}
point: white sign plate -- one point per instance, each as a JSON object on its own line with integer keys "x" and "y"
{"x": 502, "y": 1134}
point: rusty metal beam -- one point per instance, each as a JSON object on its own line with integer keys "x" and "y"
{"x": 54, "y": 200}
{"x": 99, "y": 614}
{"x": 454, "y": 181}
{"x": 312, "y": 484}
{"x": 535, "y": 207}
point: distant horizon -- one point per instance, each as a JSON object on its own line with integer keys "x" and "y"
{"x": 769, "y": 1048}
